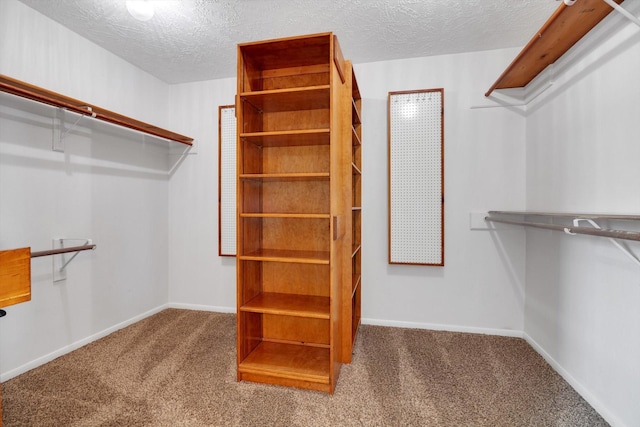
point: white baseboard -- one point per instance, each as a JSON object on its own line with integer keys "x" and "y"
{"x": 198, "y": 307}
{"x": 76, "y": 345}
{"x": 582, "y": 390}
{"x": 442, "y": 327}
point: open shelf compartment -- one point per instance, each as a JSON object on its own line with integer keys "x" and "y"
{"x": 285, "y": 63}
{"x": 289, "y": 361}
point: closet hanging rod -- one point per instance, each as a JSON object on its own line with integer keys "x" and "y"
{"x": 620, "y": 217}
{"x": 601, "y": 232}
{"x": 62, "y": 250}
{"x": 45, "y": 96}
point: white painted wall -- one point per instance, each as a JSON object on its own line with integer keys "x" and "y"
{"x": 157, "y": 236}
{"x": 479, "y": 289}
{"x": 110, "y": 185}
{"x": 198, "y": 277}
{"x": 583, "y": 294}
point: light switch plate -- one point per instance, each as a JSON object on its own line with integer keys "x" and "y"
{"x": 477, "y": 222}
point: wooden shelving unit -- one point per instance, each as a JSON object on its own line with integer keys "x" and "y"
{"x": 45, "y": 96}
{"x": 294, "y": 110}
{"x": 352, "y": 297}
{"x": 563, "y": 29}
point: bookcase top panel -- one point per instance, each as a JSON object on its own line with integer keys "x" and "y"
{"x": 288, "y": 52}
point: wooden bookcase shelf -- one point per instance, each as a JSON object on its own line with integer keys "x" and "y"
{"x": 284, "y": 255}
{"x": 296, "y": 158}
{"x": 563, "y": 29}
{"x": 285, "y": 176}
{"x": 353, "y": 297}
{"x": 355, "y": 283}
{"x": 284, "y": 215}
{"x": 45, "y": 96}
{"x": 289, "y": 305}
{"x": 278, "y": 362}
{"x": 307, "y": 98}
{"x": 354, "y": 137}
{"x": 355, "y": 250}
{"x": 304, "y": 137}
{"x": 355, "y": 111}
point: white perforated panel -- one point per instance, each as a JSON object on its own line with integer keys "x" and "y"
{"x": 415, "y": 150}
{"x": 227, "y": 180}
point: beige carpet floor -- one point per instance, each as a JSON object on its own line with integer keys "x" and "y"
{"x": 177, "y": 368}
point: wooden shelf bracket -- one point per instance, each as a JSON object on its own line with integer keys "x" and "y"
{"x": 623, "y": 11}
{"x": 60, "y": 262}
{"x": 566, "y": 26}
{"x": 59, "y": 131}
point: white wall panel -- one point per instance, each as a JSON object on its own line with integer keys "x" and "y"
{"x": 480, "y": 288}
{"x": 583, "y": 293}
{"x": 110, "y": 185}
{"x": 198, "y": 276}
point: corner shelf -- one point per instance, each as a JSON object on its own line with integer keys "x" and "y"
{"x": 45, "y": 96}
{"x": 563, "y": 29}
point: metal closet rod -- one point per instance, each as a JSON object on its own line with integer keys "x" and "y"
{"x": 620, "y": 217}
{"x": 602, "y": 232}
{"x": 62, "y": 250}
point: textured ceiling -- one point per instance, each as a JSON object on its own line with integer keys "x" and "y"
{"x": 193, "y": 40}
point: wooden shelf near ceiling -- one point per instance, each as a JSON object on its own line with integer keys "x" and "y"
{"x": 563, "y": 29}
{"x": 45, "y": 96}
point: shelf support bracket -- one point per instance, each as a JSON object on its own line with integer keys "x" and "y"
{"x": 57, "y": 142}
{"x": 59, "y": 262}
{"x": 59, "y": 131}
{"x": 625, "y": 250}
{"x": 623, "y": 11}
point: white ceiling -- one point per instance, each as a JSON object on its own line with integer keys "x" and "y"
{"x": 194, "y": 40}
